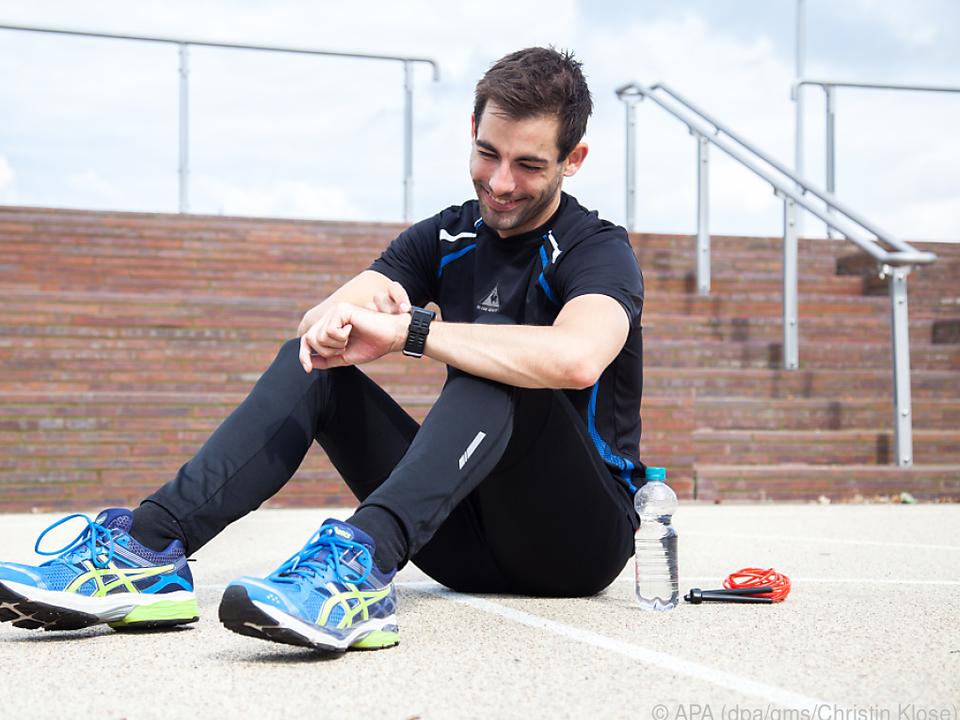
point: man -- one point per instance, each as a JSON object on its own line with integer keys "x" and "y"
{"x": 519, "y": 480}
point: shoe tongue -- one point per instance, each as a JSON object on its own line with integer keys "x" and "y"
{"x": 111, "y": 518}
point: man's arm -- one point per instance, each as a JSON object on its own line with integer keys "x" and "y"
{"x": 587, "y": 335}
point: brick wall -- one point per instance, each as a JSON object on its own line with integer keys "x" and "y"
{"x": 125, "y": 339}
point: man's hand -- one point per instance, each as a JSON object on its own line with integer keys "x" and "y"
{"x": 390, "y": 298}
{"x": 349, "y": 335}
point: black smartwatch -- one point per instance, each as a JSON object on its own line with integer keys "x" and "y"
{"x": 420, "y": 320}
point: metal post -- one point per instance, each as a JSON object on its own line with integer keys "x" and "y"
{"x": 798, "y": 100}
{"x": 407, "y": 140}
{"x": 184, "y": 127}
{"x": 631, "y": 164}
{"x": 703, "y": 209}
{"x": 831, "y": 148}
{"x": 791, "y": 341}
{"x": 900, "y": 331}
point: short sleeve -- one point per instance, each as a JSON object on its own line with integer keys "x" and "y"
{"x": 604, "y": 264}
{"x": 411, "y": 260}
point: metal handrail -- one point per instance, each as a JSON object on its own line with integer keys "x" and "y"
{"x": 875, "y": 85}
{"x": 894, "y": 264}
{"x": 827, "y": 196}
{"x": 185, "y": 43}
{"x": 831, "y": 113}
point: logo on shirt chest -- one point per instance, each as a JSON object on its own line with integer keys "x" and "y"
{"x": 491, "y": 302}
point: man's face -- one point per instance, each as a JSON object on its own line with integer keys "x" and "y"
{"x": 515, "y": 171}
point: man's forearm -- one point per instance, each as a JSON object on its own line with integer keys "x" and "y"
{"x": 586, "y": 336}
{"x": 520, "y": 355}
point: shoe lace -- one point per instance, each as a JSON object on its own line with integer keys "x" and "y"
{"x": 321, "y": 555}
{"x": 89, "y": 539}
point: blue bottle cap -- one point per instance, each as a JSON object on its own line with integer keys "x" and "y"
{"x": 656, "y": 473}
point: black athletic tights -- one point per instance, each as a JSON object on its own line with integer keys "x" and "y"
{"x": 500, "y": 490}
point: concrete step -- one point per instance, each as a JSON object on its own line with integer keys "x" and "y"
{"x": 62, "y": 352}
{"x": 21, "y": 302}
{"x": 757, "y": 304}
{"x": 268, "y": 320}
{"x": 814, "y": 355}
{"x": 54, "y": 489}
{"x": 684, "y": 283}
{"x": 745, "y": 328}
{"x": 424, "y": 378}
{"x": 840, "y": 385}
{"x": 830, "y": 447}
{"x": 872, "y": 414}
{"x": 799, "y": 482}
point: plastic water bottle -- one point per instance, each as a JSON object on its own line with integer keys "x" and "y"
{"x": 658, "y": 586}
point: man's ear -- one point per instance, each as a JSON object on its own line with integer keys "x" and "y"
{"x": 575, "y": 159}
{"x": 473, "y": 126}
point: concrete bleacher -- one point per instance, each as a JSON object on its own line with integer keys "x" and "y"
{"x": 126, "y": 337}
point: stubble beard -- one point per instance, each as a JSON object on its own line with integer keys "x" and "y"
{"x": 529, "y": 211}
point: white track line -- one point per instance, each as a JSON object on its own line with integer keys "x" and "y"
{"x": 872, "y": 581}
{"x": 815, "y": 539}
{"x": 671, "y": 663}
{"x": 801, "y": 580}
{"x": 415, "y": 584}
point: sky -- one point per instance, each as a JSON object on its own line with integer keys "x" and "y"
{"x": 93, "y": 123}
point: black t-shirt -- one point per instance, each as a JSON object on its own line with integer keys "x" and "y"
{"x": 454, "y": 260}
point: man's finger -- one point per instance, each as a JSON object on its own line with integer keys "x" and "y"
{"x": 399, "y": 297}
{"x": 305, "y": 351}
{"x": 338, "y": 335}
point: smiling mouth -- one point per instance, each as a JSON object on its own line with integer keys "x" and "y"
{"x": 500, "y": 206}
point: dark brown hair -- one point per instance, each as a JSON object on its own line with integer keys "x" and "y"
{"x": 539, "y": 81}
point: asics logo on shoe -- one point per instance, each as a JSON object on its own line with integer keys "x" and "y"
{"x": 121, "y": 577}
{"x": 362, "y": 600}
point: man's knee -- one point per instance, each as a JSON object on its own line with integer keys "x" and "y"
{"x": 286, "y": 368}
{"x": 290, "y": 348}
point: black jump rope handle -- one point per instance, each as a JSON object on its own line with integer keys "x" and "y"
{"x": 738, "y": 595}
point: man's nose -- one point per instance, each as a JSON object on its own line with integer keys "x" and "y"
{"x": 501, "y": 182}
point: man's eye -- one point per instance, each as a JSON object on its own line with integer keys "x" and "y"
{"x": 532, "y": 168}
{"x": 486, "y": 154}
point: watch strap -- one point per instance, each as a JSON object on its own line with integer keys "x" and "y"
{"x": 420, "y": 320}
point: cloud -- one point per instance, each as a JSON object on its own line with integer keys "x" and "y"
{"x": 7, "y": 179}
{"x": 89, "y": 184}
{"x": 911, "y": 24}
{"x": 927, "y": 218}
{"x": 287, "y": 134}
{"x": 280, "y": 199}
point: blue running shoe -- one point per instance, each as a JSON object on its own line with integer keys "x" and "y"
{"x": 329, "y": 596}
{"x": 102, "y": 576}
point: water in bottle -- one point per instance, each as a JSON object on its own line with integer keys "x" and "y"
{"x": 658, "y": 586}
